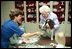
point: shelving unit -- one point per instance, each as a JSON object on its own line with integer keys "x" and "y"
{"x": 31, "y": 9}
{"x": 69, "y": 12}
{"x": 19, "y": 5}
{"x": 59, "y": 9}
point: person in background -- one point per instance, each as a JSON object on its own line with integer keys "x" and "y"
{"x": 11, "y": 27}
{"x": 48, "y": 20}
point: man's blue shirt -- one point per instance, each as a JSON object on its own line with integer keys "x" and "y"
{"x": 7, "y": 30}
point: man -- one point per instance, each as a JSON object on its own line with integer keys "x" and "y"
{"x": 12, "y": 26}
{"x": 47, "y": 15}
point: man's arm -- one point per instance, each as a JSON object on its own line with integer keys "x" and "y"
{"x": 27, "y": 35}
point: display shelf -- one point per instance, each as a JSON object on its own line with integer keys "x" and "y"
{"x": 31, "y": 11}
{"x": 69, "y": 12}
{"x": 19, "y": 5}
{"x": 59, "y": 10}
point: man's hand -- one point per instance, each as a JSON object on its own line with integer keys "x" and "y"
{"x": 28, "y": 35}
{"x": 39, "y": 33}
{"x": 26, "y": 40}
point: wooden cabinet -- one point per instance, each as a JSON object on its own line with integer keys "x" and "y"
{"x": 59, "y": 9}
{"x": 31, "y": 9}
{"x": 19, "y": 5}
{"x": 69, "y": 12}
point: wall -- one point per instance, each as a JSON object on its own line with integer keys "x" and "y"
{"x": 5, "y": 9}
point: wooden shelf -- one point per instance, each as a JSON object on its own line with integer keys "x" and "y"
{"x": 32, "y": 7}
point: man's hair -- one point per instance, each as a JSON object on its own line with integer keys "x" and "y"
{"x": 44, "y": 8}
{"x": 15, "y": 12}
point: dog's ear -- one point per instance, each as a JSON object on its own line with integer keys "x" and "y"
{"x": 51, "y": 23}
